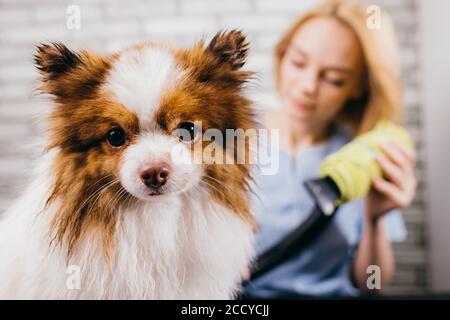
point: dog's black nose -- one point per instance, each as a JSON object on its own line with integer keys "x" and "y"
{"x": 155, "y": 176}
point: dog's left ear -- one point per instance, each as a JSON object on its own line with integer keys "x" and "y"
{"x": 229, "y": 48}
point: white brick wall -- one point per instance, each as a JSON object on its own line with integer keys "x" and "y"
{"x": 108, "y": 25}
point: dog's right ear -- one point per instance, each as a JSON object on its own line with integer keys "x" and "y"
{"x": 67, "y": 74}
{"x": 55, "y": 59}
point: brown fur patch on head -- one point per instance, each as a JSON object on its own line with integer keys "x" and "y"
{"x": 86, "y": 187}
{"x": 213, "y": 93}
{"x": 87, "y": 168}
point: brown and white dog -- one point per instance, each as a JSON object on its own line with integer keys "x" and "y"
{"x": 107, "y": 205}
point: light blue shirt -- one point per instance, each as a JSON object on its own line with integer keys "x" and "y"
{"x": 282, "y": 203}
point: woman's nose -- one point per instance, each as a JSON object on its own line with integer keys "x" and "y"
{"x": 308, "y": 82}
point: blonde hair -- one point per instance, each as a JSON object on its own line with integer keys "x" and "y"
{"x": 382, "y": 97}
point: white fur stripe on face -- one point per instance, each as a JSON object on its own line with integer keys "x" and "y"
{"x": 140, "y": 76}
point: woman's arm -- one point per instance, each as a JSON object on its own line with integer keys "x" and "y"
{"x": 374, "y": 249}
{"x": 397, "y": 190}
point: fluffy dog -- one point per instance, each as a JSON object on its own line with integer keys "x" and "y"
{"x": 109, "y": 213}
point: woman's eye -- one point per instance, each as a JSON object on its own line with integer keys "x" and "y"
{"x": 336, "y": 82}
{"x": 187, "y": 131}
{"x": 116, "y": 137}
{"x": 297, "y": 63}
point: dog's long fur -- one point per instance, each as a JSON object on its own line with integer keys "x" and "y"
{"x": 85, "y": 211}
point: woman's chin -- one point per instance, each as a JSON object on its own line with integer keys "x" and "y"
{"x": 302, "y": 115}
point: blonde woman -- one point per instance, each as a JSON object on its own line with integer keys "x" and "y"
{"x": 336, "y": 79}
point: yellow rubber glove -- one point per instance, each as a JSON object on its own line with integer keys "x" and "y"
{"x": 353, "y": 167}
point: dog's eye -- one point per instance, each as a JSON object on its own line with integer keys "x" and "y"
{"x": 116, "y": 137}
{"x": 187, "y": 131}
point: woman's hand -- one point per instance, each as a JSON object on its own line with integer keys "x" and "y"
{"x": 398, "y": 187}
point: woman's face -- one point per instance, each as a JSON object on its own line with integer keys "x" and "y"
{"x": 321, "y": 70}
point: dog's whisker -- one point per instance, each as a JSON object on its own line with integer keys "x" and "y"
{"x": 213, "y": 187}
{"x": 93, "y": 194}
{"x": 218, "y": 183}
{"x": 116, "y": 197}
{"x": 96, "y": 194}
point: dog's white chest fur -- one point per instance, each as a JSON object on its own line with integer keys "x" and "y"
{"x": 180, "y": 247}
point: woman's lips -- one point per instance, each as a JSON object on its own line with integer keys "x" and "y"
{"x": 299, "y": 104}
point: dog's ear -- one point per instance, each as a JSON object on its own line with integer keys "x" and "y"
{"x": 229, "y": 48}
{"x": 67, "y": 74}
{"x": 55, "y": 59}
